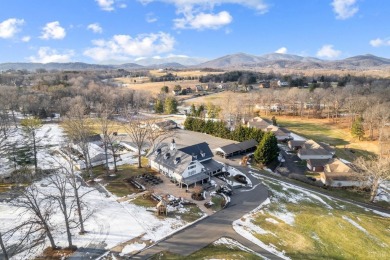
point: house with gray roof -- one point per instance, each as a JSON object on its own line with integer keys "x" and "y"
{"x": 310, "y": 150}
{"x": 187, "y": 165}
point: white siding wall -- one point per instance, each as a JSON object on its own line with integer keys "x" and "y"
{"x": 308, "y": 157}
{"x": 345, "y": 183}
{"x": 197, "y": 169}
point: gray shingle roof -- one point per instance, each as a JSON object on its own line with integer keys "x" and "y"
{"x": 247, "y": 144}
{"x": 230, "y": 148}
{"x": 199, "y": 151}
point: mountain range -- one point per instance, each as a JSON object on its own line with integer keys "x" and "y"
{"x": 232, "y": 61}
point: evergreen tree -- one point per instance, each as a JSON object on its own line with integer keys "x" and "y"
{"x": 170, "y": 105}
{"x": 193, "y": 110}
{"x": 357, "y": 129}
{"x": 274, "y": 121}
{"x": 188, "y": 123}
{"x": 159, "y": 107}
{"x": 267, "y": 150}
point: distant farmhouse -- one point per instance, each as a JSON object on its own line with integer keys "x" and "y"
{"x": 187, "y": 165}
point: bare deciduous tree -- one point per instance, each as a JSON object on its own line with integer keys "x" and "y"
{"x": 79, "y": 130}
{"x": 30, "y": 127}
{"x": 40, "y": 211}
{"x": 374, "y": 172}
{"x": 63, "y": 199}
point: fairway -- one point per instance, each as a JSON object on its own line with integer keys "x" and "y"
{"x": 311, "y": 226}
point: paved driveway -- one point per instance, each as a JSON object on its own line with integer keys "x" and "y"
{"x": 216, "y": 226}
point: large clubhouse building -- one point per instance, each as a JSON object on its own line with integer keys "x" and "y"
{"x": 187, "y": 165}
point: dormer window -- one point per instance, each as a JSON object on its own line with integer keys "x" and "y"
{"x": 167, "y": 155}
{"x": 203, "y": 154}
{"x": 158, "y": 151}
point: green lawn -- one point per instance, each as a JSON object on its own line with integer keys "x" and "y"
{"x": 319, "y": 231}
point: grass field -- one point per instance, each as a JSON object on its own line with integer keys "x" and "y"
{"x": 322, "y": 130}
{"x": 155, "y": 87}
{"x": 307, "y": 226}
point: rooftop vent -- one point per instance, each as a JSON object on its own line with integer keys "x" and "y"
{"x": 177, "y": 160}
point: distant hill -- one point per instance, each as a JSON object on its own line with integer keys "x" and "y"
{"x": 183, "y": 61}
{"x": 52, "y": 66}
{"x": 232, "y": 61}
{"x": 278, "y": 60}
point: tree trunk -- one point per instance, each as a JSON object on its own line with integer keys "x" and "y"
{"x": 14, "y": 118}
{"x": 106, "y": 153}
{"x": 68, "y": 233}
{"x": 115, "y": 168}
{"x": 5, "y": 254}
{"x": 81, "y": 220}
{"x": 139, "y": 158}
{"x": 49, "y": 235}
{"x": 35, "y": 153}
{"x": 374, "y": 190}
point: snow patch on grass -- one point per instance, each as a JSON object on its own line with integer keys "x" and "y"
{"x": 355, "y": 224}
{"x": 233, "y": 244}
{"x": 271, "y": 220}
{"x": 132, "y": 248}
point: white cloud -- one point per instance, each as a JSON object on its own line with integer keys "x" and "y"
{"x": 106, "y": 5}
{"x": 121, "y": 47}
{"x": 95, "y": 27}
{"x": 47, "y": 54}
{"x": 110, "y": 5}
{"x": 380, "y": 42}
{"x": 344, "y": 9}
{"x": 327, "y": 51}
{"x": 53, "y": 30}
{"x": 151, "y": 18}
{"x": 10, "y": 27}
{"x": 26, "y": 38}
{"x": 282, "y": 50}
{"x": 198, "y": 14}
{"x": 177, "y": 56}
{"x": 204, "y": 21}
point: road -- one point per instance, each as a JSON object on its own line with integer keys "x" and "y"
{"x": 215, "y": 226}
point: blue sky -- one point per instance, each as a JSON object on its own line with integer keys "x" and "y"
{"x": 119, "y": 31}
